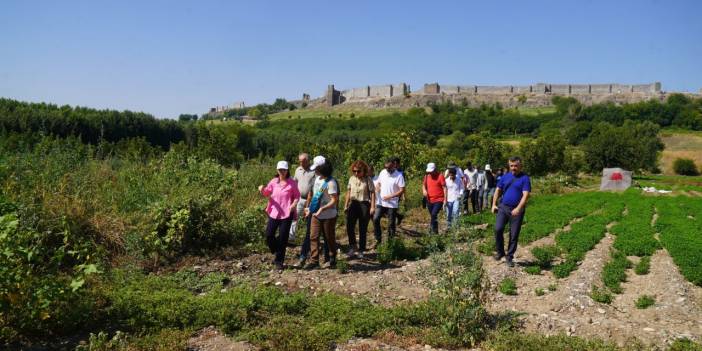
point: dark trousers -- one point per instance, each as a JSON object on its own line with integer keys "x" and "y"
{"x": 504, "y": 215}
{"x": 277, "y": 245}
{"x": 434, "y": 209}
{"x": 359, "y": 211}
{"x": 380, "y": 211}
{"x": 474, "y": 200}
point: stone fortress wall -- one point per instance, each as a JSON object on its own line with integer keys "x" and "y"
{"x": 487, "y": 93}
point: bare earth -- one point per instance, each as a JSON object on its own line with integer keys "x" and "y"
{"x": 570, "y": 310}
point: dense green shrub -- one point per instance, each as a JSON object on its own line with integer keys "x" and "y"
{"x": 685, "y": 166}
{"x": 194, "y": 226}
{"x": 46, "y": 271}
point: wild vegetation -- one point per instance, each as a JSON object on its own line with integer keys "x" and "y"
{"x": 101, "y": 210}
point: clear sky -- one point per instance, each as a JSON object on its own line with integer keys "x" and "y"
{"x": 172, "y": 57}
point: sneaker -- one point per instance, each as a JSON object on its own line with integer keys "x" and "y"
{"x": 312, "y": 265}
{"x": 300, "y": 263}
{"x": 360, "y": 255}
{"x": 278, "y": 266}
{"x": 497, "y": 257}
{"x": 510, "y": 263}
{"x": 332, "y": 263}
{"x": 351, "y": 254}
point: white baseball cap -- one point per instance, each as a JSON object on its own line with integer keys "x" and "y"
{"x": 431, "y": 167}
{"x": 282, "y": 165}
{"x": 487, "y": 167}
{"x": 318, "y": 161}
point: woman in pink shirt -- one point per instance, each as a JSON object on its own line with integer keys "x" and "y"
{"x": 283, "y": 195}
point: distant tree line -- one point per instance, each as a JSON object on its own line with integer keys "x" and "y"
{"x": 257, "y": 111}
{"x": 573, "y": 138}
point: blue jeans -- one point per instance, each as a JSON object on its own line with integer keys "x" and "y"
{"x": 504, "y": 214}
{"x": 453, "y": 210}
{"x": 487, "y": 197}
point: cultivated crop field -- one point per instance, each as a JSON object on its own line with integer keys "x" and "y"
{"x": 608, "y": 264}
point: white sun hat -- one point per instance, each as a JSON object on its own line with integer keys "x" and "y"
{"x": 318, "y": 161}
{"x": 282, "y": 165}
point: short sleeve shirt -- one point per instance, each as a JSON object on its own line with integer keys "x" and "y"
{"x": 332, "y": 188}
{"x": 517, "y": 184}
{"x": 454, "y": 189}
{"x": 360, "y": 189}
{"x": 472, "y": 178}
{"x": 389, "y": 184}
{"x": 305, "y": 181}
{"x": 435, "y": 187}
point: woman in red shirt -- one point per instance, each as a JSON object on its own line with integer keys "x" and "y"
{"x": 434, "y": 190}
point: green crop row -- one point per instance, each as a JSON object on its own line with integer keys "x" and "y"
{"x": 584, "y": 235}
{"x": 548, "y": 213}
{"x": 680, "y": 227}
{"x": 634, "y": 232}
{"x": 614, "y": 272}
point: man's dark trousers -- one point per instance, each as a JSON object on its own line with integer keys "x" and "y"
{"x": 380, "y": 211}
{"x": 504, "y": 215}
{"x": 434, "y": 209}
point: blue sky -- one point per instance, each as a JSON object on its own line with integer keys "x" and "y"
{"x": 172, "y": 57}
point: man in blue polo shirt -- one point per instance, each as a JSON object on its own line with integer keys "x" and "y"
{"x": 515, "y": 186}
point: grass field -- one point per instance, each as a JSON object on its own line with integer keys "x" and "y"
{"x": 680, "y": 144}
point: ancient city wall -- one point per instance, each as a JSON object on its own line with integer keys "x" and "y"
{"x": 334, "y": 97}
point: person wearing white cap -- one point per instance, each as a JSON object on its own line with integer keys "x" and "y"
{"x": 323, "y": 214}
{"x": 283, "y": 195}
{"x": 310, "y": 180}
{"x": 434, "y": 191}
{"x": 490, "y": 185}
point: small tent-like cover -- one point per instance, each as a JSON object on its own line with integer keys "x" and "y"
{"x": 615, "y": 179}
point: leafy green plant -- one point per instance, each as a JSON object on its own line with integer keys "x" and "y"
{"x": 534, "y": 270}
{"x": 645, "y": 301}
{"x": 601, "y": 295}
{"x": 192, "y": 226}
{"x": 685, "y": 344}
{"x": 552, "y": 287}
{"x": 643, "y": 266}
{"x": 342, "y": 265}
{"x": 545, "y": 254}
{"x": 46, "y": 275}
{"x": 539, "y": 291}
{"x": 508, "y": 286}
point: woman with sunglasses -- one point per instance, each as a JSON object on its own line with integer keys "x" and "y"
{"x": 283, "y": 195}
{"x": 359, "y": 207}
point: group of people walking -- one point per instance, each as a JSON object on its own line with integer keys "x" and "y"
{"x": 313, "y": 193}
